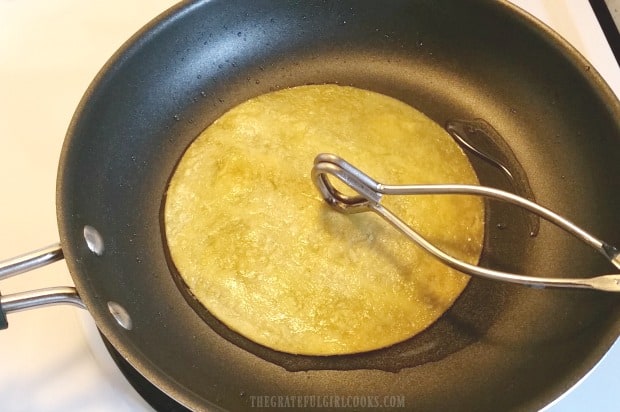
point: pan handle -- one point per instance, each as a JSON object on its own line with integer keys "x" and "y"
{"x": 35, "y": 298}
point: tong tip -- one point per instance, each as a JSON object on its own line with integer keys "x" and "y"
{"x": 365, "y": 187}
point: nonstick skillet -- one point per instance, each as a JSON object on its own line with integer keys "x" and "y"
{"x": 518, "y": 348}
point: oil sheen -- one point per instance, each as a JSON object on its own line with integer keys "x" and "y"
{"x": 257, "y": 246}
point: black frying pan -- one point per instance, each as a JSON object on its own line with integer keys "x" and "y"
{"x": 501, "y": 346}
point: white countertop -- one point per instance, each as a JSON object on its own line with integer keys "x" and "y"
{"x": 49, "y": 53}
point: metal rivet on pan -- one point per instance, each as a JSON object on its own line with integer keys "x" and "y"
{"x": 120, "y": 315}
{"x": 94, "y": 241}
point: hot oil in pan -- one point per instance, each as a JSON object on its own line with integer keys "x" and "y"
{"x": 465, "y": 323}
{"x": 481, "y": 139}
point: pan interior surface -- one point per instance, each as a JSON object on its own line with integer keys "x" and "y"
{"x": 451, "y": 60}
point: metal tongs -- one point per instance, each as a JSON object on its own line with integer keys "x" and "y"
{"x": 370, "y": 192}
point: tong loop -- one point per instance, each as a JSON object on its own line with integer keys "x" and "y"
{"x": 368, "y": 197}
